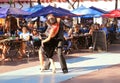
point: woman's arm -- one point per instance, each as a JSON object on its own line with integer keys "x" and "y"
{"x": 53, "y": 32}
{"x": 51, "y": 35}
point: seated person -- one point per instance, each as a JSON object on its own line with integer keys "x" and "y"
{"x": 25, "y": 36}
{"x": 2, "y": 56}
{"x": 1, "y": 29}
{"x": 67, "y": 42}
{"x": 18, "y": 32}
{"x": 3, "y": 49}
{"x": 36, "y": 38}
{"x": 104, "y": 28}
{"x": 76, "y": 36}
{"x": 76, "y": 31}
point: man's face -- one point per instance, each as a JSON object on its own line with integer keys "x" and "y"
{"x": 51, "y": 19}
{"x": 50, "y": 16}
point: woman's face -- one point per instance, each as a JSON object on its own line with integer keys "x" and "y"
{"x": 24, "y": 29}
{"x": 34, "y": 32}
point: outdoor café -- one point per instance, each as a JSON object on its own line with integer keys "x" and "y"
{"x": 91, "y": 34}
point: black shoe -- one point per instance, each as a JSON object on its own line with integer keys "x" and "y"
{"x": 65, "y": 71}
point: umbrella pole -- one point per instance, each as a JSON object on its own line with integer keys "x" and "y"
{"x": 38, "y": 22}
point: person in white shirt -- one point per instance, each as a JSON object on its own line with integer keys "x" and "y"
{"x": 25, "y": 36}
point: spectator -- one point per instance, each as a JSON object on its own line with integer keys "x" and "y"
{"x": 68, "y": 22}
{"x": 31, "y": 26}
{"x": 104, "y": 28}
{"x": 67, "y": 42}
{"x": 25, "y": 36}
{"x": 36, "y": 38}
{"x": 1, "y": 29}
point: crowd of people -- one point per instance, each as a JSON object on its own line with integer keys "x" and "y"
{"x": 59, "y": 33}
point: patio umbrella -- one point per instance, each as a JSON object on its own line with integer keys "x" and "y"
{"x": 98, "y": 9}
{"x": 3, "y": 12}
{"x": 17, "y": 11}
{"x": 34, "y": 8}
{"x": 2, "y": 16}
{"x": 13, "y": 11}
{"x": 62, "y": 9}
{"x": 50, "y": 10}
{"x": 86, "y": 12}
{"x": 112, "y": 14}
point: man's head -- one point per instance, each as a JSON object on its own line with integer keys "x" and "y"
{"x": 51, "y": 19}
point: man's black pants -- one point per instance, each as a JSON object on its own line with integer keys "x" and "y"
{"x": 60, "y": 57}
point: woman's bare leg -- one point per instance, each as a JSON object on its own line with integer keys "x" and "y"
{"x": 4, "y": 52}
{"x": 53, "y": 65}
{"x": 41, "y": 58}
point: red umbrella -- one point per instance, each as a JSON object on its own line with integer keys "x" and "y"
{"x": 112, "y": 14}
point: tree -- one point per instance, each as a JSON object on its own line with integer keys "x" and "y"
{"x": 30, "y": 3}
{"x": 73, "y": 4}
{"x": 10, "y": 2}
{"x": 38, "y": 1}
{"x": 116, "y": 4}
{"x": 38, "y": 19}
{"x": 20, "y": 4}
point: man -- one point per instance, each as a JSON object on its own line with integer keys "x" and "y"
{"x": 53, "y": 40}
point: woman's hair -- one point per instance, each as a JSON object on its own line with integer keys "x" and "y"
{"x": 49, "y": 15}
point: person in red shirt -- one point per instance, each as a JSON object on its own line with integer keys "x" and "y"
{"x": 49, "y": 44}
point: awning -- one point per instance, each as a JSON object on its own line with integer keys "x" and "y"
{"x": 46, "y": 1}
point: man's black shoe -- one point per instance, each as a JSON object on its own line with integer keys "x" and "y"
{"x": 65, "y": 71}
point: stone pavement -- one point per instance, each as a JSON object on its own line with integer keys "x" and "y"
{"x": 79, "y": 67}
{"x": 107, "y": 75}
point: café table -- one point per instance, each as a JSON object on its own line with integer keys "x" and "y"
{"x": 81, "y": 39}
{"x": 13, "y": 45}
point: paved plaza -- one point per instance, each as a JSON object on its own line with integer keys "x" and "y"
{"x": 79, "y": 66}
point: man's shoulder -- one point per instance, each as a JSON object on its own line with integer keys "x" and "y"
{"x": 58, "y": 20}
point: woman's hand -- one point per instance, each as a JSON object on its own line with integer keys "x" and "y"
{"x": 42, "y": 43}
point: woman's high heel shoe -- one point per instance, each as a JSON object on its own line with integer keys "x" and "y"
{"x": 42, "y": 69}
{"x": 53, "y": 71}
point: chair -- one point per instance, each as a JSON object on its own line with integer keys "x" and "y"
{"x": 32, "y": 48}
{"x": 13, "y": 49}
{"x": 99, "y": 41}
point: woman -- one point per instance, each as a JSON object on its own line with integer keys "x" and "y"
{"x": 25, "y": 36}
{"x": 36, "y": 38}
{"x": 3, "y": 50}
{"x": 49, "y": 44}
{"x": 67, "y": 40}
